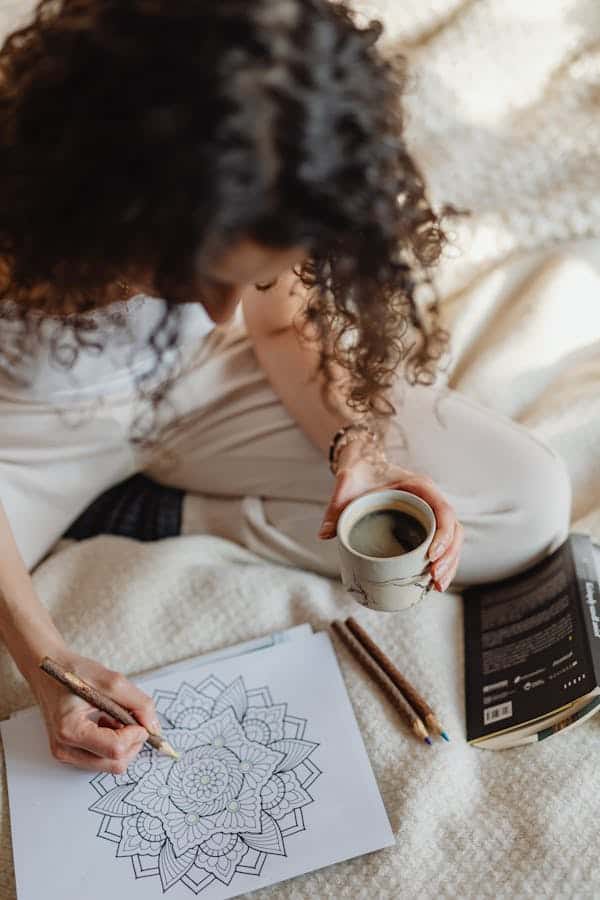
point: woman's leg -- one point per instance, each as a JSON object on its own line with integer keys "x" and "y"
{"x": 250, "y": 474}
{"x": 511, "y": 491}
{"x": 54, "y": 462}
{"x": 254, "y": 477}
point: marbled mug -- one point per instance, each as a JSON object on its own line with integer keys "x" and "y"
{"x": 387, "y": 583}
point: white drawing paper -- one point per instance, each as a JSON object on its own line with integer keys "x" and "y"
{"x": 273, "y": 781}
{"x": 294, "y": 633}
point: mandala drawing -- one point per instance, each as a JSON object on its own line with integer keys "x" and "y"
{"x": 231, "y": 800}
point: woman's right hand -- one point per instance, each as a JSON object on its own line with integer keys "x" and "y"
{"x": 78, "y": 733}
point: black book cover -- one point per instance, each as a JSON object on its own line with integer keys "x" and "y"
{"x": 532, "y": 642}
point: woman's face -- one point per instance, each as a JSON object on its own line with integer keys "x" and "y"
{"x": 244, "y": 266}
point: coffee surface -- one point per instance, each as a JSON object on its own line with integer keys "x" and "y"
{"x": 386, "y": 532}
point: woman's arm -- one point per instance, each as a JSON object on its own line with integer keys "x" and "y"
{"x": 290, "y": 365}
{"x": 25, "y": 625}
{"x": 29, "y": 633}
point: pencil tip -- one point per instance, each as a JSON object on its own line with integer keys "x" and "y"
{"x": 445, "y": 736}
{"x": 169, "y": 751}
{"x": 428, "y": 741}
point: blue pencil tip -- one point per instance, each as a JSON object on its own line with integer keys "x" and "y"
{"x": 428, "y": 741}
{"x": 445, "y": 736}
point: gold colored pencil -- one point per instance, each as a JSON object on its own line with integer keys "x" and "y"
{"x": 383, "y": 680}
{"x": 418, "y": 703}
{"x": 102, "y": 702}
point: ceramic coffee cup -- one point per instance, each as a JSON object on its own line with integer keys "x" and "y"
{"x": 388, "y": 583}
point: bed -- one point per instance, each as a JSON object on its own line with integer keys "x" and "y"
{"x": 503, "y": 113}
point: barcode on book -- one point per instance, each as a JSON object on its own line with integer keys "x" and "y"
{"x": 495, "y": 713}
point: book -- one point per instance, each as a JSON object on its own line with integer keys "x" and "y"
{"x": 532, "y": 649}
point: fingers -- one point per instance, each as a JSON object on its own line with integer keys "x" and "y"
{"x": 425, "y": 488}
{"x": 444, "y": 568}
{"x": 82, "y": 742}
{"x": 105, "y": 721}
{"x": 132, "y": 698}
{"x": 86, "y": 737}
{"x": 446, "y": 545}
{"x": 75, "y": 756}
{"x": 447, "y": 542}
{"x": 343, "y": 493}
{"x": 106, "y": 742}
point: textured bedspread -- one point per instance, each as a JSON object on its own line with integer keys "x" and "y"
{"x": 504, "y": 114}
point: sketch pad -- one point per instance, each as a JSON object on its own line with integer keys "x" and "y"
{"x": 274, "y": 781}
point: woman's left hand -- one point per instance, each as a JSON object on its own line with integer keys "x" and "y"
{"x": 357, "y": 476}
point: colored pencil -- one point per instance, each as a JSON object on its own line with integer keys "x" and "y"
{"x": 418, "y": 703}
{"x": 102, "y": 702}
{"x": 396, "y": 697}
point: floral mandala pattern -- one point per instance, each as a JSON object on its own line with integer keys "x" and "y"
{"x": 231, "y": 800}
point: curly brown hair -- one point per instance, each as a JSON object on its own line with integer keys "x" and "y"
{"x": 156, "y": 131}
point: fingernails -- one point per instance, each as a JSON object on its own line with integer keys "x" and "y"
{"x": 155, "y": 726}
{"x": 442, "y": 568}
{"x": 440, "y": 578}
{"x": 326, "y": 529}
{"x": 437, "y": 549}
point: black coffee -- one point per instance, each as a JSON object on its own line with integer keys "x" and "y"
{"x": 386, "y": 532}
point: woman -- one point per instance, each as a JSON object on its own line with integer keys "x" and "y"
{"x": 243, "y": 159}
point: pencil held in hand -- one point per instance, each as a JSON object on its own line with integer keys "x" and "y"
{"x": 383, "y": 680}
{"x": 102, "y": 702}
{"x": 418, "y": 703}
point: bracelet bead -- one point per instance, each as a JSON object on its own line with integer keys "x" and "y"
{"x": 342, "y": 438}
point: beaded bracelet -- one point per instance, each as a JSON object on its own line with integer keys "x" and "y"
{"x": 341, "y": 439}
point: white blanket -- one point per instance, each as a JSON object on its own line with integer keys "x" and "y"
{"x": 502, "y": 118}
